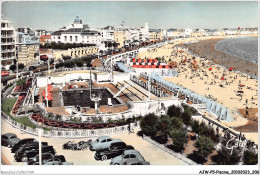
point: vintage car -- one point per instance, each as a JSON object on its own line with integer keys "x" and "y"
{"x": 24, "y": 156}
{"x": 22, "y": 142}
{"x": 9, "y": 139}
{"x": 108, "y": 154}
{"x": 127, "y": 155}
{"x": 103, "y": 142}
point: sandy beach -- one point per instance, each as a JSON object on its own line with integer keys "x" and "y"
{"x": 201, "y": 75}
{"x": 206, "y": 49}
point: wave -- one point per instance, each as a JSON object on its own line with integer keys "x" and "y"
{"x": 245, "y": 48}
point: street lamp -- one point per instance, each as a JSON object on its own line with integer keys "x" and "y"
{"x": 40, "y": 142}
{"x": 17, "y": 74}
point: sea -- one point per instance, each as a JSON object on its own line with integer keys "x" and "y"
{"x": 245, "y": 48}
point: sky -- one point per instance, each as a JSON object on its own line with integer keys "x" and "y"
{"x": 167, "y": 14}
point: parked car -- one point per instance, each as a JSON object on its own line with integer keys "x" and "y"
{"x": 24, "y": 156}
{"x": 56, "y": 161}
{"x": 135, "y": 162}
{"x": 127, "y": 155}
{"x": 9, "y": 140}
{"x": 45, "y": 156}
{"x": 102, "y": 143}
{"x": 22, "y": 142}
{"x": 108, "y": 154}
{"x": 31, "y": 145}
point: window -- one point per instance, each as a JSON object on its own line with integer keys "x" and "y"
{"x": 76, "y": 38}
{"x": 71, "y": 38}
{"x": 4, "y": 137}
{"x": 65, "y": 38}
{"x": 103, "y": 141}
{"x": 127, "y": 156}
{"x": 109, "y": 140}
{"x": 132, "y": 156}
{"x": 58, "y": 37}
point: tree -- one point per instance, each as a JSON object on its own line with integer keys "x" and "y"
{"x": 223, "y": 157}
{"x": 204, "y": 146}
{"x": 174, "y": 111}
{"x": 163, "y": 129}
{"x": 177, "y": 123}
{"x": 250, "y": 158}
{"x": 186, "y": 117}
{"x": 149, "y": 124}
{"x": 179, "y": 138}
{"x": 12, "y": 67}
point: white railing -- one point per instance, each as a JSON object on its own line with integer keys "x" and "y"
{"x": 72, "y": 133}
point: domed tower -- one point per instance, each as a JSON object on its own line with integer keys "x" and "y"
{"x": 77, "y": 20}
{"x": 77, "y": 23}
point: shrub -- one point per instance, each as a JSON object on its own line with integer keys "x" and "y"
{"x": 149, "y": 124}
{"x": 224, "y": 158}
{"x": 204, "y": 145}
{"x": 177, "y": 123}
{"x": 250, "y": 158}
{"x": 186, "y": 117}
{"x": 188, "y": 109}
{"x": 163, "y": 129}
{"x": 174, "y": 111}
{"x": 179, "y": 137}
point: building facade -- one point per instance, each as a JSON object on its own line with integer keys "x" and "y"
{"x": 76, "y": 33}
{"x": 8, "y": 54}
{"x": 45, "y": 39}
{"x": 27, "y": 48}
{"x": 156, "y": 34}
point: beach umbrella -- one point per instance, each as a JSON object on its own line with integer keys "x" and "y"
{"x": 210, "y": 69}
{"x": 230, "y": 68}
{"x": 222, "y": 78}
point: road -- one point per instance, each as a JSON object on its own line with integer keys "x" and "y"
{"x": 39, "y": 69}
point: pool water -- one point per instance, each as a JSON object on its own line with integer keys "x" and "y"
{"x": 82, "y": 98}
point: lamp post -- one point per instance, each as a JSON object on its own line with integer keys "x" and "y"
{"x": 40, "y": 142}
{"x": 17, "y": 73}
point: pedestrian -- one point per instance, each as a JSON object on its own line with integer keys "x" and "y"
{"x": 247, "y": 114}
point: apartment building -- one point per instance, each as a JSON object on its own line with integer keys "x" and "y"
{"x": 8, "y": 54}
{"x": 27, "y": 47}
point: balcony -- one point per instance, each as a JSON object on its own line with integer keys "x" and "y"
{"x": 8, "y": 58}
{"x": 7, "y": 28}
{"x": 7, "y": 43}
{"x": 7, "y": 50}
{"x": 7, "y": 36}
